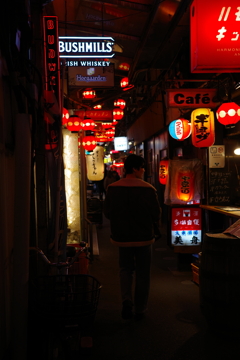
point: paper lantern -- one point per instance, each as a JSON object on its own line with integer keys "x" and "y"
{"x": 89, "y": 94}
{"x": 97, "y": 106}
{"x": 73, "y": 123}
{"x": 110, "y": 133}
{"x": 228, "y": 114}
{"x": 203, "y": 128}
{"x": 185, "y": 185}
{"x": 95, "y": 164}
{"x": 106, "y": 125}
{"x": 163, "y": 171}
{"x": 65, "y": 116}
{"x": 118, "y": 114}
{"x": 124, "y": 82}
{"x": 124, "y": 66}
{"x": 89, "y": 142}
{"x": 120, "y": 103}
{"x": 180, "y": 129}
{"x": 87, "y": 124}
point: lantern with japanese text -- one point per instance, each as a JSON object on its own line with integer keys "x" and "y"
{"x": 120, "y": 103}
{"x": 124, "y": 66}
{"x": 95, "y": 164}
{"x": 228, "y": 114}
{"x": 124, "y": 82}
{"x": 118, "y": 114}
{"x": 89, "y": 94}
{"x": 203, "y": 127}
{"x": 185, "y": 185}
{"x": 73, "y": 123}
{"x": 163, "y": 171}
{"x": 89, "y": 142}
{"x": 65, "y": 116}
{"x": 180, "y": 129}
{"x": 87, "y": 124}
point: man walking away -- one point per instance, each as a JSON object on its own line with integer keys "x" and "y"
{"x": 132, "y": 207}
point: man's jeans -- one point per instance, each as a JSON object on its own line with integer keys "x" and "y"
{"x": 135, "y": 260}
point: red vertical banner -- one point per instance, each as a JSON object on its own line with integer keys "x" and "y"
{"x": 51, "y": 56}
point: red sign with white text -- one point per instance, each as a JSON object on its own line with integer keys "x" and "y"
{"x": 191, "y": 98}
{"x": 96, "y": 115}
{"x": 215, "y": 36}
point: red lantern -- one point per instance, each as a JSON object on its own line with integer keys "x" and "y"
{"x": 120, "y": 103}
{"x": 180, "y": 129}
{"x": 106, "y": 125}
{"x": 114, "y": 123}
{"x": 163, "y": 172}
{"x": 73, "y": 123}
{"x": 65, "y": 116}
{"x": 97, "y": 106}
{"x": 89, "y": 94}
{"x": 203, "y": 128}
{"x": 185, "y": 185}
{"x": 124, "y": 82}
{"x": 228, "y": 114}
{"x": 118, "y": 114}
{"x": 124, "y": 66}
{"x": 87, "y": 124}
{"x": 89, "y": 142}
{"x": 110, "y": 133}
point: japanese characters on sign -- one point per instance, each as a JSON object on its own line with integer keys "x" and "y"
{"x": 95, "y": 164}
{"x": 203, "y": 127}
{"x": 186, "y": 226}
{"x": 215, "y": 36}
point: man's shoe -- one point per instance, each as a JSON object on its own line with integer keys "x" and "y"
{"x": 127, "y": 310}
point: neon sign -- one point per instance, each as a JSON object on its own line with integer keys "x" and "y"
{"x": 86, "y": 47}
{"x": 215, "y": 36}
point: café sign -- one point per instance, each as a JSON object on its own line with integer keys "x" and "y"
{"x": 77, "y": 47}
{"x": 215, "y": 36}
{"x": 191, "y": 98}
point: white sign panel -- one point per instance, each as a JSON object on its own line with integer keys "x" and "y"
{"x": 216, "y": 156}
{"x": 121, "y": 143}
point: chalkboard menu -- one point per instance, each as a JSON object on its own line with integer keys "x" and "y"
{"x": 220, "y": 187}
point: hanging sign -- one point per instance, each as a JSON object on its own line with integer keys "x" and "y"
{"x": 191, "y": 98}
{"x": 96, "y": 115}
{"x": 78, "y": 47}
{"x": 203, "y": 127}
{"x": 91, "y": 76}
{"x": 95, "y": 164}
{"x": 186, "y": 229}
{"x": 215, "y": 36}
{"x": 51, "y": 56}
{"x": 216, "y": 154}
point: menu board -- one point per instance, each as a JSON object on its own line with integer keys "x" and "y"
{"x": 220, "y": 187}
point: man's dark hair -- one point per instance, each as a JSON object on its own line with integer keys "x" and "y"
{"x": 133, "y": 162}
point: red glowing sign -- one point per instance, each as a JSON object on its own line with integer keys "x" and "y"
{"x": 215, "y": 36}
{"x": 51, "y": 56}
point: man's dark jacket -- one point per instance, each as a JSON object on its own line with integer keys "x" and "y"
{"x": 132, "y": 207}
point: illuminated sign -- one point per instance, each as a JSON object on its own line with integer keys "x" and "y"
{"x": 51, "y": 56}
{"x": 86, "y": 47}
{"x": 191, "y": 98}
{"x": 91, "y": 76}
{"x": 96, "y": 115}
{"x": 84, "y": 63}
{"x": 215, "y": 36}
{"x": 121, "y": 143}
{"x": 186, "y": 227}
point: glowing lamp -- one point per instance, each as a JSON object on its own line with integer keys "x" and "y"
{"x": 203, "y": 127}
{"x": 74, "y": 123}
{"x": 97, "y": 106}
{"x": 106, "y": 125}
{"x": 124, "y": 66}
{"x": 89, "y": 142}
{"x": 118, "y": 114}
{"x": 65, "y": 116}
{"x": 101, "y": 136}
{"x": 110, "y": 133}
{"x": 95, "y": 164}
{"x": 124, "y": 82}
{"x": 163, "y": 172}
{"x": 89, "y": 94}
{"x": 228, "y": 114}
{"x": 120, "y": 103}
{"x": 87, "y": 124}
{"x": 180, "y": 129}
{"x": 114, "y": 123}
{"x": 185, "y": 185}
